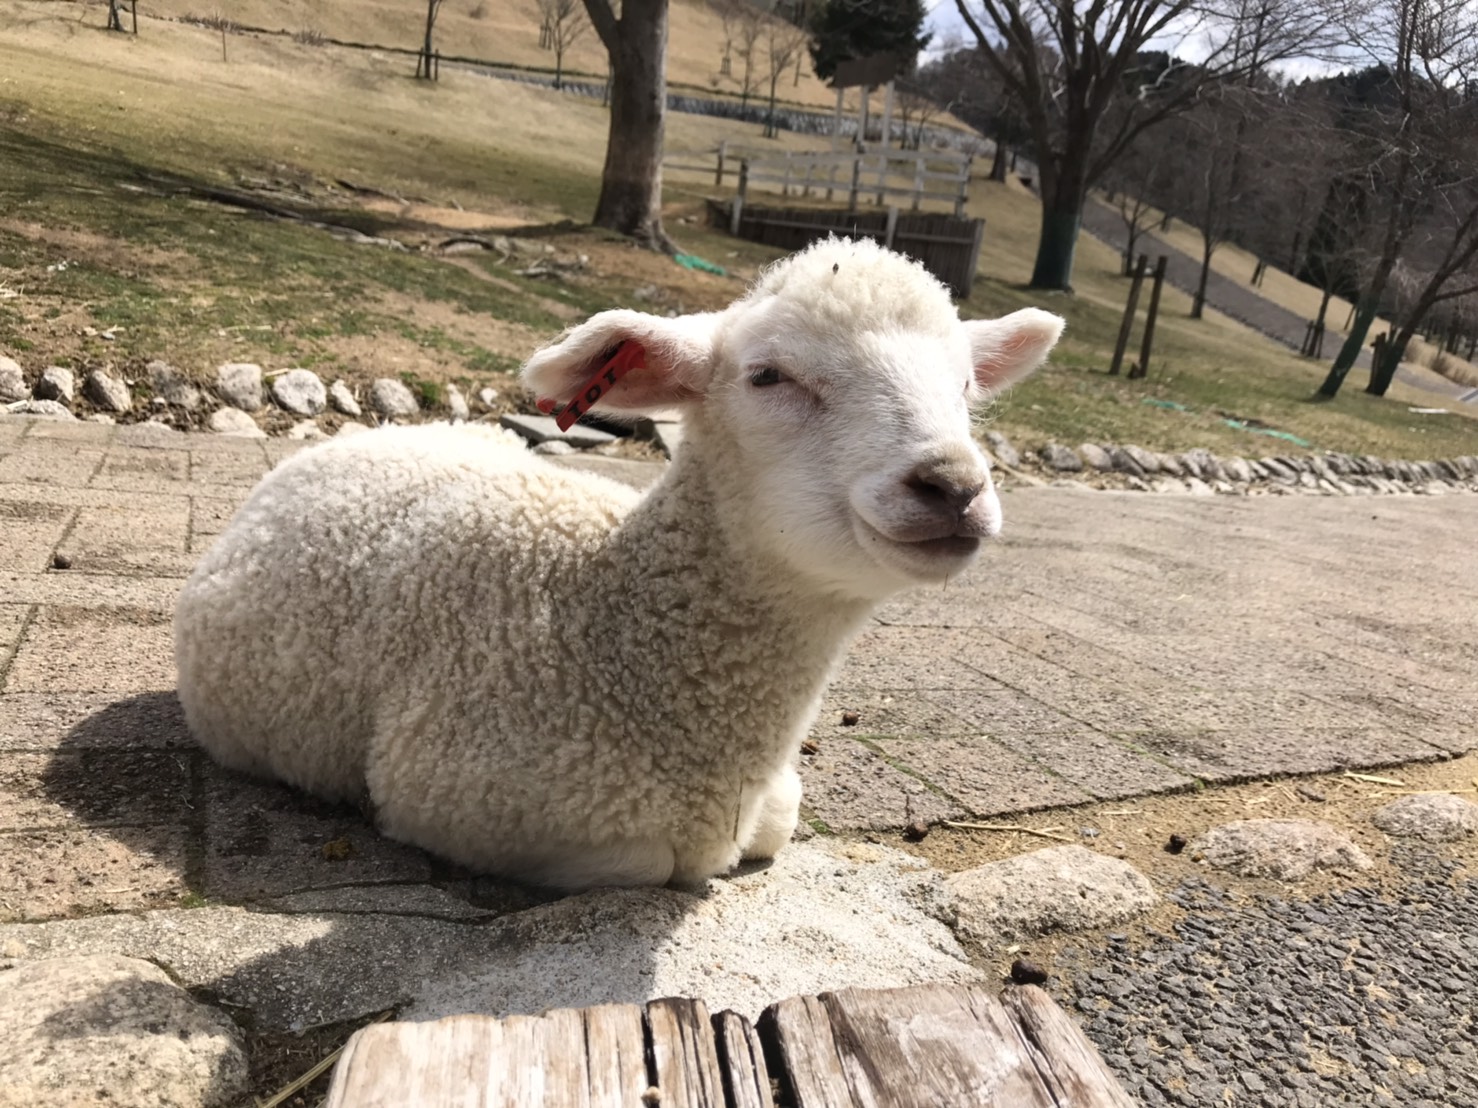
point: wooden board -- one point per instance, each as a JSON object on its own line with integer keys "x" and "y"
{"x": 922, "y": 1047}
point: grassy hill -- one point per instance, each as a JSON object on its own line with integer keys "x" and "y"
{"x": 109, "y": 145}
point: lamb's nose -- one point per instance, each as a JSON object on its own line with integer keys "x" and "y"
{"x": 951, "y": 484}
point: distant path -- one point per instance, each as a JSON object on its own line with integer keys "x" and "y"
{"x": 1242, "y": 304}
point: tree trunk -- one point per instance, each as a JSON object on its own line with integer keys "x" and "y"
{"x": 1365, "y": 312}
{"x": 1056, "y": 247}
{"x": 115, "y": 18}
{"x": 1383, "y": 369}
{"x": 559, "y": 68}
{"x": 1198, "y": 303}
{"x": 631, "y": 183}
{"x": 998, "y": 163}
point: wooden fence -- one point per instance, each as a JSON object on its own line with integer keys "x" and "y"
{"x": 947, "y": 247}
{"x": 918, "y": 177}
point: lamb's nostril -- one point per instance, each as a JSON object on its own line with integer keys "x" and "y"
{"x": 938, "y": 485}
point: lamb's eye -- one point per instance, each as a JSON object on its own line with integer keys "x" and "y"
{"x": 764, "y": 378}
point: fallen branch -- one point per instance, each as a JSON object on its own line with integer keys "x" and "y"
{"x": 313, "y": 1074}
{"x": 958, "y": 826}
{"x": 1373, "y": 779}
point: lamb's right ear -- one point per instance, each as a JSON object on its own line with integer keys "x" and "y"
{"x": 674, "y": 370}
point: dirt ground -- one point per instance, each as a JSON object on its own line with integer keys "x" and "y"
{"x": 1139, "y": 831}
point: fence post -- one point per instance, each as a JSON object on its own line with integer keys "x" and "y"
{"x": 856, "y": 175}
{"x": 882, "y": 178}
{"x": 1149, "y": 324}
{"x": 134, "y": 11}
{"x": 831, "y": 180}
{"x": 918, "y": 182}
{"x": 974, "y": 265}
{"x": 964, "y": 192}
{"x": 736, "y": 209}
{"x": 888, "y": 117}
{"x": 1127, "y": 324}
{"x": 723, "y": 150}
{"x": 785, "y": 184}
{"x": 892, "y": 228}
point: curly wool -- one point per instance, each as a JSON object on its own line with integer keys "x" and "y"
{"x": 437, "y": 621}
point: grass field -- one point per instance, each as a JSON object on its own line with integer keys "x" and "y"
{"x": 108, "y": 141}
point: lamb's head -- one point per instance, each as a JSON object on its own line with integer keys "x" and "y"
{"x": 832, "y": 404}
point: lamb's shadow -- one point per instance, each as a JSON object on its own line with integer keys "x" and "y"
{"x": 300, "y": 913}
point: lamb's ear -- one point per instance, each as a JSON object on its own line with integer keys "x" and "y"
{"x": 674, "y": 368}
{"x": 1007, "y": 350}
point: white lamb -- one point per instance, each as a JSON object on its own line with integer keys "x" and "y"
{"x": 540, "y": 673}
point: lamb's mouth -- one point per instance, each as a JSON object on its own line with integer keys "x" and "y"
{"x": 926, "y": 558}
{"x": 948, "y": 547}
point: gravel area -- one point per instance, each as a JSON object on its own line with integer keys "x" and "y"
{"x": 1358, "y": 996}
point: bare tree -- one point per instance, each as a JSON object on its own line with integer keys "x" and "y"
{"x": 749, "y": 29}
{"x": 562, "y": 23}
{"x": 425, "y": 67}
{"x": 631, "y": 182}
{"x": 1418, "y": 123}
{"x": 784, "y": 43}
{"x": 916, "y": 108}
{"x": 1067, "y": 62}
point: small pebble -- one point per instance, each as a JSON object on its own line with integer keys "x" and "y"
{"x": 61, "y": 561}
{"x": 810, "y": 746}
{"x": 1026, "y": 972}
{"x": 850, "y": 719}
{"x": 917, "y": 831}
{"x": 1176, "y": 844}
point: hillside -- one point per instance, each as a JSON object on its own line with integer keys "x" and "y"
{"x": 502, "y": 31}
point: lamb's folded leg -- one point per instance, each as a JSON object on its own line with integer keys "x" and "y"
{"x": 778, "y": 814}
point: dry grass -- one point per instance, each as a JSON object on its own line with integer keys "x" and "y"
{"x": 505, "y": 32}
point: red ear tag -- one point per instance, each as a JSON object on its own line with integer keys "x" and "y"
{"x": 629, "y": 355}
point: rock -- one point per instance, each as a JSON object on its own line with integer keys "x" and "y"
{"x": 108, "y": 393}
{"x": 1435, "y": 817}
{"x": 1167, "y": 485}
{"x": 541, "y": 428}
{"x": 1279, "y": 472}
{"x": 1002, "y": 450}
{"x": 1170, "y": 464}
{"x": 458, "y": 404}
{"x": 485, "y": 397}
{"x": 306, "y": 429}
{"x": 1096, "y": 456}
{"x": 56, "y": 383}
{"x": 1061, "y": 888}
{"x": 300, "y": 392}
{"x": 45, "y": 409}
{"x": 114, "y": 1031}
{"x": 235, "y": 422}
{"x": 553, "y": 447}
{"x": 172, "y": 386}
{"x": 239, "y": 384}
{"x": 391, "y": 398}
{"x": 350, "y": 429}
{"x": 1283, "y": 849}
{"x": 1146, "y": 460}
{"x": 1058, "y": 457}
{"x": 12, "y": 381}
{"x": 1202, "y": 463}
{"x": 1237, "y": 470}
{"x": 341, "y": 399}
{"x": 1198, "y": 487}
{"x": 1124, "y": 462}
{"x": 101, "y": 417}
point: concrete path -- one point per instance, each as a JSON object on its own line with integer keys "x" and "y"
{"x": 1111, "y": 645}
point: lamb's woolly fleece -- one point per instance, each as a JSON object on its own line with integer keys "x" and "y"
{"x": 536, "y": 672}
{"x": 437, "y": 621}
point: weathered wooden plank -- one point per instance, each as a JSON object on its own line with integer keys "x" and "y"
{"x": 800, "y": 1030}
{"x": 741, "y": 1058}
{"x": 1070, "y": 1065}
{"x": 391, "y": 1064}
{"x": 616, "y": 1055}
{"x": 680, "y": 1036}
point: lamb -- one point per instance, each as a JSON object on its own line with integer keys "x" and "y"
{"x": 539, "y": 673}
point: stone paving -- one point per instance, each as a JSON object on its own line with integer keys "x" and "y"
{"x": 1113, "y": 644}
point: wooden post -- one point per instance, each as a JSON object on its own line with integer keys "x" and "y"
{"x": 882, "y": 178}
{"x": 134, "y": 11}
{"x": 887, "y": 135}
{"x": 856, "y": 175}
{"x": 974, "y": 265}
{"x": 862, "y": 119}
{"x": 892, "y": 228}
{"x": 836, "y": 125}
{"x": 1127, "y": 324}
{"x": 223, "y": 42}
{"x": 806, "y": 183}
{"x": 963, "y": 195}
{"x": 437, "y": 71}
{"x": 723, "y": 150}
{"x": 785, "y": 184}
{"x": 1149, "y": 324}
{"x": 736, "y": 209}
{"x": 918, "y": 182}
{"x": 831, "y": 180}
